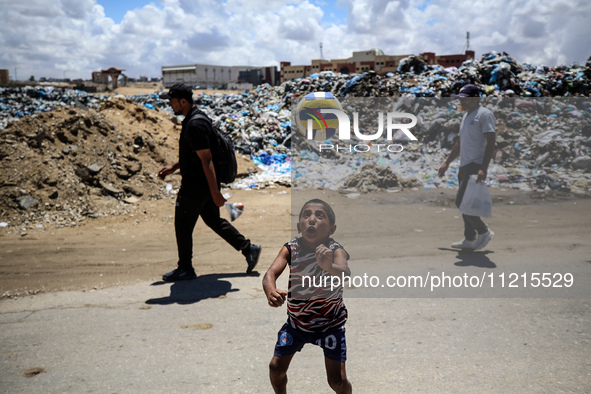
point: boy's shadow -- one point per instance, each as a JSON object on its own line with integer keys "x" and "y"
{"x": 201, "y": 288}
{"x": 469, "y": 257}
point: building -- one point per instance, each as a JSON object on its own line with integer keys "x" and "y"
{"x": 362, "y": 61}
{"x": 211, "y": 76}
{"x": 111, "y": 76}
{"x": 446, "y": 60}
{"x": 4, "y": 76}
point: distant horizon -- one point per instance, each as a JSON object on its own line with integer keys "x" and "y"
{"x": 278, "y": 68}
{"x": 72, "y": 38}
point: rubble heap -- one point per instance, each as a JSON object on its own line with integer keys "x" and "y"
{"x": 62, "y": 166}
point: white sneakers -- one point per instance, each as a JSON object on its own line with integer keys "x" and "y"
{"x": 483, "y": 239}
{"x": 480, "y": 242}
{"x": 464, "y": 244}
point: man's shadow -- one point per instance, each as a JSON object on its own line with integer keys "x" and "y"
{"x": 201, "y": 288}
{"x": 469, "y": 257}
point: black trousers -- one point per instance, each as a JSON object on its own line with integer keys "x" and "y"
{"x": 189, "y": 206}
{"x": 472, "y": 224}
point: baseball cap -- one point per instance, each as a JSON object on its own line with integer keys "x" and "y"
{"x": 469, "y": 91}
{"x": 178, "y": 91}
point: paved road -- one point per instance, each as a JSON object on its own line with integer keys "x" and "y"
{"x": 216, "y": 335}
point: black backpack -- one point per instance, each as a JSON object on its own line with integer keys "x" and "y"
{"x": 222, "y": 153}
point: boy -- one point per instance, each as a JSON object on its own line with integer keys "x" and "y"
{"x": 316, "y": 314}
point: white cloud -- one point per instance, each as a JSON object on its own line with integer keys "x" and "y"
{"x": 77, "y": 9}
{"x": 50, "y": 37}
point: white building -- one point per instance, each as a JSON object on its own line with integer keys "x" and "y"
{"x": 206, "y": 75}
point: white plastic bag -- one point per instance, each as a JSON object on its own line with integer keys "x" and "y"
{"x": 234, "y": 209}
{"x": 477, "y": 200}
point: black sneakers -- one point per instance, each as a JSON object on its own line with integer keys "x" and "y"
{"x": 252, "y": 254}
{"x": 178, "y": 274}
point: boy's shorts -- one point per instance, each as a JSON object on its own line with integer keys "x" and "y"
{"x": 291, "y": 340}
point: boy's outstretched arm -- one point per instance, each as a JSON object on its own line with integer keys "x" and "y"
{"x": 276, "y": 297}
{"x": 335, "y": 263}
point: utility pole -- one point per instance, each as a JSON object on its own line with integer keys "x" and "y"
{"x": 321, "y": 55}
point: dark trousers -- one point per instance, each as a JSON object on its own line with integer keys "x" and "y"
{"x": 191, "y": 205}
{"x": 472, "y": 224}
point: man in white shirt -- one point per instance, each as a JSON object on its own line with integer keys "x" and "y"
{"x": 475, "y": 146}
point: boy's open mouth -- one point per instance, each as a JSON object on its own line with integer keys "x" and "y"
{"x": 311, "y": 231}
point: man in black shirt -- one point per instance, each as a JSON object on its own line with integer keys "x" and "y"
{"x": 200, "y": 191}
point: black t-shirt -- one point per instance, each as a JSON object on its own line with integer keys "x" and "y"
{"x": 195, "y": 135}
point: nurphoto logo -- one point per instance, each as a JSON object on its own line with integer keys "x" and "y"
{"x": 320, "y": 116}
{"x": 311, "y": 119}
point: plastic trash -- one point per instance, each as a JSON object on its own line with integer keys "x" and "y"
{"x": 476, "y": 200}
{"x": 234, "y": 210}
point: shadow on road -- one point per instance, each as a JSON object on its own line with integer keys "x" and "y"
{"x": 201, "y": 288}
{"x": 473, "y": 258}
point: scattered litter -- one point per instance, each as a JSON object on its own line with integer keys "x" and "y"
{"x": 353, "y": 195}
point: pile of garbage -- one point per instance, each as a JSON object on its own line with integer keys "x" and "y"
{"x": 67, "y": 155}
{"x": 542, "y": 144}
{"x": 495, "y": 74}
{"x": 64, "y": 166}
{"x": 18, "y": 102}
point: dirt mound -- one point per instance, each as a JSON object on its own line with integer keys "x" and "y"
{"x": 372, "y": 177}
{"x": 64, "y": 166}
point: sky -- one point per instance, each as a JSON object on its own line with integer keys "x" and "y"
{"x": 72, "y": 38}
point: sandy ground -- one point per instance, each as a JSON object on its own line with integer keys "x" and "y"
{"x": 127, "y": 249}
{"x": 220, "y": 331}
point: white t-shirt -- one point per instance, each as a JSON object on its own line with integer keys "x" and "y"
{"x": 472, "y": 129}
